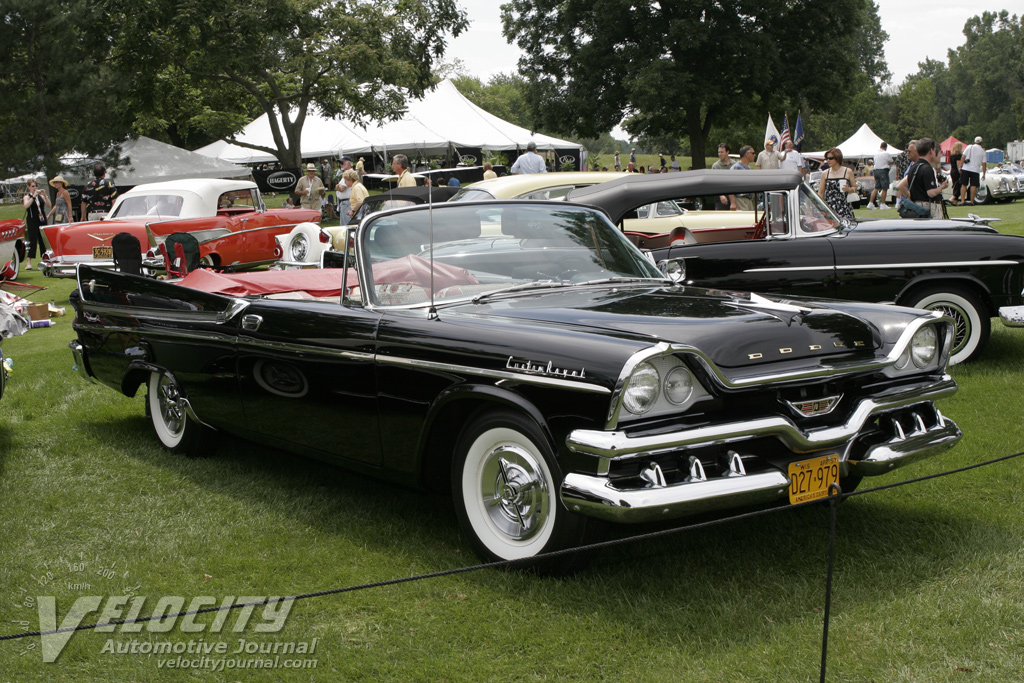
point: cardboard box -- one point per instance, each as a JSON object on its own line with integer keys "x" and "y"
{"x": 38, "y": 312}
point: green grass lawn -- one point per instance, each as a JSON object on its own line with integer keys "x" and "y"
{"x": 929, "y": 578}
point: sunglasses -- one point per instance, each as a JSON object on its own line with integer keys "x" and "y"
{"x": 830, "y": 158}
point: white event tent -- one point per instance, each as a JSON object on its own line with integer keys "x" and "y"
{"x": 861, "y": 145}
{"x": 151, "y": 161}
{"x": 441, "y": 123}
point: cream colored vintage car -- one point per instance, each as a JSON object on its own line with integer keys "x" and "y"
{"x": 649, "y": 227}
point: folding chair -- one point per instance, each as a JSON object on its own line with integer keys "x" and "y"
{"x": 127, "y": 253}
{"x": 181, "y": 254}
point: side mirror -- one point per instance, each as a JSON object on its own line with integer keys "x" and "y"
{"x": 673, "y": 269}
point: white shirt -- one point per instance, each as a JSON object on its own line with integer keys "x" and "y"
{"x": 531, "y": 162}
{"x": 794, "y": 161}
{"x": 974, "y": 158}
{"x": 883, "y": 160}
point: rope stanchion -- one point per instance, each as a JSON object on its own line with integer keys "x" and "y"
{"x": 835, "y": 495}
{"x": 832, "y": 499}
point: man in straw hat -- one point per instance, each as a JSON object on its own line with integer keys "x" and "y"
{"x": 310, "y": 188}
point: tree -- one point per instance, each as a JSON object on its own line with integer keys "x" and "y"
{"x": 59, "y": 90}
{"x": 681, "y": 68}
{"x": 987, "y": 74}
{"x": 504, "y": 96}
{"x": 352, "y": 58}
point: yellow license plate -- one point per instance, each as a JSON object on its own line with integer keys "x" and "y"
{"x": 105, "y": 253}
{"x": 810, "y": 479}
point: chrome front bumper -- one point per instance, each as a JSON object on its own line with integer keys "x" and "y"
{"x": 913, "y": 429}
{"x": 1012, "y": 316}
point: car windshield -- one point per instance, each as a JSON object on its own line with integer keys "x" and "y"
{"x": 238, "y": 199}
{"x": 480, "y": 249}
{"x": 162, "y": 205}
{"x": 471, "y": 194}
{"x": 815, "y": 216}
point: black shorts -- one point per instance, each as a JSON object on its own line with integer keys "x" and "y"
{"x": 970, "y": 179}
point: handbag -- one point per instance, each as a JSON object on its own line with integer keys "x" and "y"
{"x": 911, "y": 209}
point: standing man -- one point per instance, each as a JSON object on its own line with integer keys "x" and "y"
{"x": 724, "y": 163}
{"x": 531, "y": 162}
{"x": 400, "y": 166}
{"x": 675, "y": 164}
{"x": 973, "y": 169}
{"x": 661, "y": 160}
{"x": 310, "y": 188}
{"x": 618, "y": 162}
{"x": 99, "y": 193}
{"x": 768, "y": 158}
{"x": 743, "y": 202}
{"x": 883, "y": 160}
{"x": 792, "y": 160}
{"x": 921, "y": 184}
{"x": 632, "y": 156}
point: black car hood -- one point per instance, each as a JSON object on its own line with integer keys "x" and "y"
{"x": 734, "y": 329}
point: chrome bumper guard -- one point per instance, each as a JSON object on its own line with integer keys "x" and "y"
{"x": 1012, "y": 316}
{"x": 79, "y": 355}
{"x": 917, "y": 432}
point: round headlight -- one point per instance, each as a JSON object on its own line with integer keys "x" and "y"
{"x": 641, "y": 391}
{"x": 678, "y": 385}
{"x": 924, "y": 346}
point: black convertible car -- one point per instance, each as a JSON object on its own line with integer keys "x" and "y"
{"x": 797, "y": 246}
{"x": 526, "y": 357}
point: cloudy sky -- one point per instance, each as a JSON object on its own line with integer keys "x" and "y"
{"x": 917, "y": 29}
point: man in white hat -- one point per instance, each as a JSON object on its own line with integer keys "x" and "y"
{"x": 972, "y": 172}
{"x": 310, "y": 188}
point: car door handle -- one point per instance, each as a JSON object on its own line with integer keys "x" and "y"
{"x": 251, "y": 323}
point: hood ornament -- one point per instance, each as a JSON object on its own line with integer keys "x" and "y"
{"x": 787, "y": 313}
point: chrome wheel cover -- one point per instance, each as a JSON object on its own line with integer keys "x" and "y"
{"x": 172, "y": 408}
{"x": 514, "y": 492}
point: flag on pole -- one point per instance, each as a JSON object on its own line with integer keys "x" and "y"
{"x": 798, "y": 132}
{"x": 785, "y": 132}
{"x": 771, "y": 132}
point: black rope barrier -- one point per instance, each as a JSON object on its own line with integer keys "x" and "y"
{"x": 836, "y": 495}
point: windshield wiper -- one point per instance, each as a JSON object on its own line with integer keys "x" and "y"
{"x": 543, "y": 284}
{"x": 620, "y": 280}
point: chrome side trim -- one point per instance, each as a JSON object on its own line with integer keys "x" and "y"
{"x": 158, "y": 333}
{"x": 495, "y": 374}
{"x": 304, "y": 349}
{"x": 863, "y": 266}
{"x": 617, "y": 444}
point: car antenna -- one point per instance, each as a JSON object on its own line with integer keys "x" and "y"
{"x": 431, "y": 312}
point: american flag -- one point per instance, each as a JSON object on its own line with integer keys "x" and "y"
{"x": 785, "y": 131}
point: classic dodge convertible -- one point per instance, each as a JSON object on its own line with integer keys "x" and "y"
{"x": 234, "y": 228}
{"x": 795, "y": 245}
{"x": 529, "y": 358}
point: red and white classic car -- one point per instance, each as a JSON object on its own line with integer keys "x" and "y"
{"x": 12, "y": 245}
{"x": 233, "y": 226}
